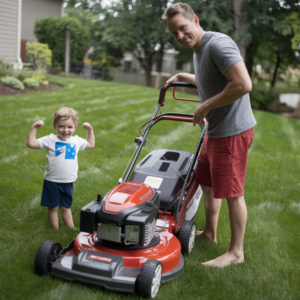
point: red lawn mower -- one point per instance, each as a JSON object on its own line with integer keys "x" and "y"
{"x": 135, "y": 237}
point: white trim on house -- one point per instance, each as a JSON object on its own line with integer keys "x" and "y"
{"x": 19, "y": 64}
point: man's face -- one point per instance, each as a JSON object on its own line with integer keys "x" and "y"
{"x": 185, "y": 32}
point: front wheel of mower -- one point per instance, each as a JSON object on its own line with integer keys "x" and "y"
{"x": 150, "y": 279}
{"x": 45, "y": 256}
{"x": 187, "y": 236}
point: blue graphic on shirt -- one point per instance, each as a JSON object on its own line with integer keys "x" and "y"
{"x": 68, "y": 149}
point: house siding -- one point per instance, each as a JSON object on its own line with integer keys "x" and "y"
{"x": 9, "y": 30}
{"x": 35, "y": 9}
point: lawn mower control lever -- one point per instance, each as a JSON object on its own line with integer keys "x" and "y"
{"x": 164, "y": 89}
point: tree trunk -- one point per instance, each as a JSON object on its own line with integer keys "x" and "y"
{"x": 159, "y": 58}
{"x": 148, "y": 69}
{"x": 276, "y": 70}
{"x": 250, "y": 53}
{"x": 238, "y": 23}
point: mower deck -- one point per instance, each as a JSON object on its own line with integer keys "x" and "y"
{"x": 91, "y": 262}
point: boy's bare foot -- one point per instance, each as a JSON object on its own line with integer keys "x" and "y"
{"x": 224, "y": 260}
{"x": 202, "y": 235}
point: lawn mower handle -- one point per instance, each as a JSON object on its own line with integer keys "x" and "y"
{"x": 164, "y": 89}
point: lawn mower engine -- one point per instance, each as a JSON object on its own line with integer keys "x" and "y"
{"x": 126, "y": 215}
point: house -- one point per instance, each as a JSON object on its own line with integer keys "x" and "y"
{"x": 17, "y": 19}
{"x": 130, "y": 70}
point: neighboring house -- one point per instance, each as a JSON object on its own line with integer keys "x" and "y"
{"x": 131, "y": 71}
{"x": 17, "y": 19}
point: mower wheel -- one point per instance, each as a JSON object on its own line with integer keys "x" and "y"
{"x": 150, "y": 279}
{"x": 45, "y": 256}
{"x": 187, "y": 236}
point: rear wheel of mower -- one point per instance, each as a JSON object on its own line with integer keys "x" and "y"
{"x": 45, "y": 256}
{"x": 187, "y": 236}
{"x": 150, "y": 279}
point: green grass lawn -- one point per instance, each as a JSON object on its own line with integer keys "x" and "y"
{"x": 116, "y": 111}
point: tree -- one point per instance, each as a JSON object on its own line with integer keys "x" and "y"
{"x": 265, "y": 25}
{"x": 52, "y": 31}
{"x": 135, "y": 26}
{"x": 293, "y": 27}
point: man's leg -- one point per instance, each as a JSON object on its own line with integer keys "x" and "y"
{"x": 238, "y": 218}
{"x": 212, "y": 208}
{"x": 53, "y": 217}
{"x": 67, "y": 216}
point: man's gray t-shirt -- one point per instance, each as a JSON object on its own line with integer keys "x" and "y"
{"x": 215, "y": 55}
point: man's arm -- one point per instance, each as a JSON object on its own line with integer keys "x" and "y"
{"x": 32, "y": 142}
{"x": 239, "y": 84}
{"x": 182, "y": 77}
{"x": 90, "y": 136}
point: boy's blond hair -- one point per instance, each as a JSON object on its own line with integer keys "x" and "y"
{"x": 65, "y": 113}
{"x": 178, "y": 8}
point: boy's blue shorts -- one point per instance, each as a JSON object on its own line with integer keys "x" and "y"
{"x": 57, "y": 194}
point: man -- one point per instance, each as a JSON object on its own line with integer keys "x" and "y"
{"x": 223, "y": 85}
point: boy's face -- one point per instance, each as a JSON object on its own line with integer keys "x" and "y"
{"x": 64, "y": 128}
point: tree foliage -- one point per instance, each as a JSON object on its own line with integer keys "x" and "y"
{"x": 293, "y": 27}
{"x": 135, "y": 26}
{"x": 52, "y": 31}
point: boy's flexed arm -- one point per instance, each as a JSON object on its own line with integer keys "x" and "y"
{"x": 32, "y": 142}
{"x": 90, "y": 135}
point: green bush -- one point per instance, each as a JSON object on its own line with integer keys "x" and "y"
{"x": 52, "y": 31}
{"x": 5, "y": 69}
{"x": 23, "y": 74}
{"x": 39, "y": 55}
{"x": 12, "y": 82}
{"x": 262, "y": 96}
{"x": 31, "y": 83}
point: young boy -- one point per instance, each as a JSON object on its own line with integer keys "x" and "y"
{"x": 62, "y": 163}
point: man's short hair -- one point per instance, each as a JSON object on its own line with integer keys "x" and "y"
{"x": 65, "y": 113}
{"x": 178, "y": 8}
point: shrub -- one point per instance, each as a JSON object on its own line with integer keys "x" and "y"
{"x": 23, "y": 74}
{"x": 12, "y": 82}
{"x": 5, "y": 69}
{"x": 262, "y": 96}
{"x": 31, "y": 83}
{"x": 39, "y": 75}
{"x": 52, "y": 31}
{"x": 45, "y": 82}
{"x": 39, "y": 55}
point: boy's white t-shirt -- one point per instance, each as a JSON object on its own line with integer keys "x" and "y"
{"x": 62, "y": 163}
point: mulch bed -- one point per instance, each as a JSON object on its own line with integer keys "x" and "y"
{"x": 6, "y": 90}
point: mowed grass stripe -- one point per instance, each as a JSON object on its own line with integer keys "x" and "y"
{"x": 116, "y": 111}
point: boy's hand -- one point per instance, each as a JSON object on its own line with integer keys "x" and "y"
{"x": 38, "y": 124}
{"x": 87, "y": 126}
{"x": 90, "y": 135}
{"x": 32, "y": 142}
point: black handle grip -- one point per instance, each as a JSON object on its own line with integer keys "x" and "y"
{"x": 183, "y": 84}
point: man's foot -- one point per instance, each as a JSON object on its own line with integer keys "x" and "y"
{"x": 224, "y": 260}
{"x": 202, "y": 235}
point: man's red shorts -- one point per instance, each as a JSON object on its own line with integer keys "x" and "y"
{"x": 223, "y": 162}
